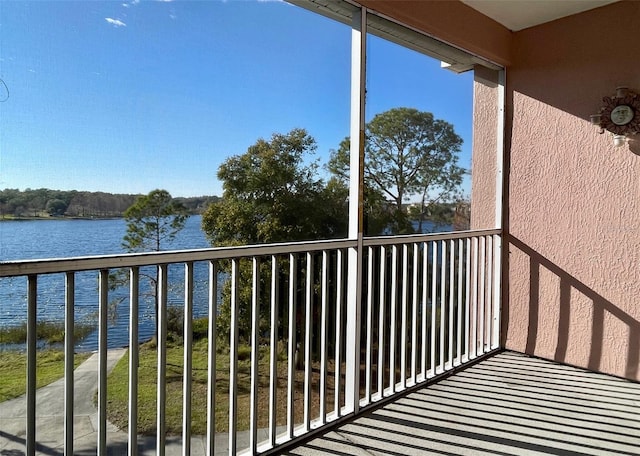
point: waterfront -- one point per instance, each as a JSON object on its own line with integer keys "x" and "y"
{"x": 61, "y": 238}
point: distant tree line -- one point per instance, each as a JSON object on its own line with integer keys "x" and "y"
{"x": 44, "y": 202}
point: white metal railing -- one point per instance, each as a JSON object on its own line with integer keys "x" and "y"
{"x": 429, "y": 303}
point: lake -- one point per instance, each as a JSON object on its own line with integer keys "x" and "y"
{"x": 37, "y": 239}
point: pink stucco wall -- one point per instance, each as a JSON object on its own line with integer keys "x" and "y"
{"x": 573, "y": 229}
{"x": 485, "y": 148}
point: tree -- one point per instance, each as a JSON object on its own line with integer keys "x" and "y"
{"x": 152, "y": 221}
{"x": 272, "y": 193}
{"x": 56, "y": 207}
{"x": 408, "y": 153}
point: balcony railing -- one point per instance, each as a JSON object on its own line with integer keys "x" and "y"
{"x": 422, "y": 304}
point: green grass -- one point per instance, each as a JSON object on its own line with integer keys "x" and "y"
{"x": 118, "y": 384}
{"x": 117, "y": 389}
{"x": 13, "y": 365}
{"x": 50, "y": 331}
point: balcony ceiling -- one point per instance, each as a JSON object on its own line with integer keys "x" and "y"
{"x": 521, "y": 14}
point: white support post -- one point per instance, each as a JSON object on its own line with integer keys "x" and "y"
{"x": 356, "y": 209}
{"x": 500, "y": 180}
{"x": 500, "y": 150}
{"x": 103, "y": 304}
{"x": 69, "y": 307}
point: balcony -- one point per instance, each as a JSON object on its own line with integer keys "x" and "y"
{"x": 396, "y": 337}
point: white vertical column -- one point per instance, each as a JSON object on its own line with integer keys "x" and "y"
{"x": 103, "y": 304}
{"x": 134, "y": 296}
{"x": 500, "y": 150}
{"x": 273, "y": 350}
{"x": 187, "y": 357}
{"x": 307, "y": 341}
{"x": 32, "y": 301}
{"x": 323, "y": 336}
{"x": 233, "y": 357}
{"x": 338, "y": 352}
{"x": 161, "y": 405}
{"x": 381, "y": 318}
{"x": 356, "y": 208}
{"x": 69, "y": 304}
{"x": 497, "y": 281}
{"x": 497, "y": 292}
{"x": 368, "y": 361}
{"x": 255, "y": 353}
{"x": 211, "y": 359}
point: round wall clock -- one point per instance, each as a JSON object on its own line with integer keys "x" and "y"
{"x": 618, "y": 115}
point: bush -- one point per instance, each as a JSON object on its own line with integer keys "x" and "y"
{"x": 52, "y": 332}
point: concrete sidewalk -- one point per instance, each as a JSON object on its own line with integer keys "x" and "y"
{"x": 50, "y": 421}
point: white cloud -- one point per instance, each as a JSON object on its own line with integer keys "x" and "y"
{"x": 115, "y": 22}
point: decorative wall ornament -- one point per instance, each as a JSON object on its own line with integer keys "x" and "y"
{"x": 620, "y": 115}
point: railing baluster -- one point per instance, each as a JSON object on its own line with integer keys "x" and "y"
{"x": 32, "y": 301}
{"x": 233, "y": 358}
{"x": 273, "y": 349}
{"x": 434, "y": 290}
{"x": 134, "y": 296}
{"x": 211, "y": 358}
{"x": 467, "y": 301}
{"x": 102, "y": 361}
{"x": 458, "y": 358}
{"x": 489, "y": 302}
{"x": 187, "y": 363}
{"x": 473, "y": 345}
{"x": 323, "y": 337}
{"x": 452, "y": 270}
{"x": 338, "y": 342}
{"x": 425, "y": 300}
{"x": 392, "y": 328}
{"x": 443, "y": 301}
{"x": 161, "y": 302}
{"x": 307, "y": 342}
{"x": 69, "y": 308}
{"x": 292, "y": 344}
{"x": 403, "y": 316}
{"x": 255, "y": 354}
{"x": 481, "y": 295}
{"x": 381, "y": 318}
{"x": 497, "y": 258}
{"x": 414, "y": 314}
{"x": 369, "y": 328}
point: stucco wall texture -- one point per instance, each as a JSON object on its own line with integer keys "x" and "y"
{"x": 573, "y": 228}
{"x": 571, "y": 288}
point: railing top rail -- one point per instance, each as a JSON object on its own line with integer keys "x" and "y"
{"x": 391, "y": 240}
{"x": 87, "y": 263}
{"x": 115, "y": 261}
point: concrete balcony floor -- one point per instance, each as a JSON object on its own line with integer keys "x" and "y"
{"x": 507, "y": 404}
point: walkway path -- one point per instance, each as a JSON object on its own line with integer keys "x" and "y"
{"x": 50, "y": 421}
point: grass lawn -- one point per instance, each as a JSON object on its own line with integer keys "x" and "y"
{"x": 13, "y": 365}
{"x": 117, "y": 390}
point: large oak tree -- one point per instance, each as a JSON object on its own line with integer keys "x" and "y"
{"x": 272, "y": 193}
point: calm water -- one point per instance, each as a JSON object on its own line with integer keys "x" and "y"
{"x": 39, "y": 239}
{"x": 71, "y": 238}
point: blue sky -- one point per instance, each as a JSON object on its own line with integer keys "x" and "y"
{"x": 126, "y": 97}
